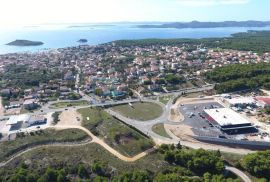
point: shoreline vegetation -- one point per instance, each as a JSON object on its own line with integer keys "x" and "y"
{"x": 252, "y": 40}
{"x": 257, "y": 41}
{"x": 25, "y": 43}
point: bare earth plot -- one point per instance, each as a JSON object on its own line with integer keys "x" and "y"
{"x": 68, "y": 118}
{"x": 183, "y": 132}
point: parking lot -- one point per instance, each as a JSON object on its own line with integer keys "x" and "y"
{"x": 195, "y": 118}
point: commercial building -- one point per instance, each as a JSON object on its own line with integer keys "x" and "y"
{"x": 18, "y": 122}
{"x": 241, "y": 102}
{"x": 30, "y": 104}
{"x": 229, "y": 121}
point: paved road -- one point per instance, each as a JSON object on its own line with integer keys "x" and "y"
{"x": 239, "y": 173}
{"x": 146, "y": 128}
{"x": 46, "y": 108}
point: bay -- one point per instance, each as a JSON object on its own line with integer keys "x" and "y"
{"x": 59, "y": 36}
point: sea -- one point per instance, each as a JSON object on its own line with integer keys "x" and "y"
{"x": 67, "y": 35}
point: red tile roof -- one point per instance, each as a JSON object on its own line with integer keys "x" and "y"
{"x": 266, "y": 100}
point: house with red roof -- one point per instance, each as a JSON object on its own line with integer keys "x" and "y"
{"x": 263, "y": 101}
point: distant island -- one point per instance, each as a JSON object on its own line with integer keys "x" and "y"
{"x": 197, "y": 24}
{"x": 25, "y": 43}
{"x": 83, "y": 41}
{"x": 90, "y": 26}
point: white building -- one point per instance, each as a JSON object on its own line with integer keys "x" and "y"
{"x": 241, "y": 101}
{"x": 13, "y": 120}
{"x": 228, "y": 120}
{"x": 18, "y": 122}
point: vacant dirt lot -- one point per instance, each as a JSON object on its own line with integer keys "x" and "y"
{"x": 175, "y": 115}
{"x": 183, "y": 132}
{"x": 70, "y": 118}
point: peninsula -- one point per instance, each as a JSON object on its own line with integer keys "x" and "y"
{"x": 25, "y": 43}
{"x": 197, "y": 24}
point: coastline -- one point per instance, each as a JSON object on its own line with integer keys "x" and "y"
{"x": 61, "y": 37}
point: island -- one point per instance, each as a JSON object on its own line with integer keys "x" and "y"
{"x": 25, "y": 43}
{"x": 82, "y": 40}
{"x": 197, "y": 24}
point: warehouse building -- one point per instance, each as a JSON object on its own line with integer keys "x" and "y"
{"x": 18, "y": 122}
{"x": 229, "y": 121}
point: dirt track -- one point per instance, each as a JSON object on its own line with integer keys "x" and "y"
{"x": 94, "y": 140}
{"x": 105, "y": 145}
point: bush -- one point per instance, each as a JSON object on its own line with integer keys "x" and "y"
{"x": 258, "y": 164}
{"x": 199, "y": 161}
{"x": 55, "y": 116}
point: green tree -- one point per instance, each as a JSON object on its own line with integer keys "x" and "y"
{"x": 99, "y": 92}
{"x": 82, "y": 172}
{"x": 169, "y": 156}
{"x": 97, "y": 168}
{"x": 258, "y": 163}
{"x": 207, "y": 177}
{"x": 100, "y": 179}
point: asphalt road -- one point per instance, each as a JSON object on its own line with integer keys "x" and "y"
{"x": 146, "y": 128}
{"x": 239, "y": 173}
{"x": 200, "y": 125}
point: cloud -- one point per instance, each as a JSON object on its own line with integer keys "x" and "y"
{"x": 211, "y": 2}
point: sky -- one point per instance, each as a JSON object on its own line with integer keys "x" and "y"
{"x": 31, "y": 12}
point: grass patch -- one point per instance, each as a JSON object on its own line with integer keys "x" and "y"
{"x": 193, "y": 95}
{"x": 164, "y": 99}
{"x": 24, "y": 141}
{"x": 160, "y": 130}
{"x": 24, "y": 111}
{"x": 142, "y": 111}
{"x": 69, "y": 104}
{"x": 232, "y": 158}
{"x": 115, "y": 133}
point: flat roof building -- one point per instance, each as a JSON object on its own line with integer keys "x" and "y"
{"x": 19, "y": 118}
{"x": 228, "y": 120}
{"x": 18, "y": 122}
{"x": 241, "y": 101}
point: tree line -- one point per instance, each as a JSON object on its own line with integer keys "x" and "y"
{"x": 238, "y": 77}
{"x": 257, "y": 41}
{"x": 185, "y": 165}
